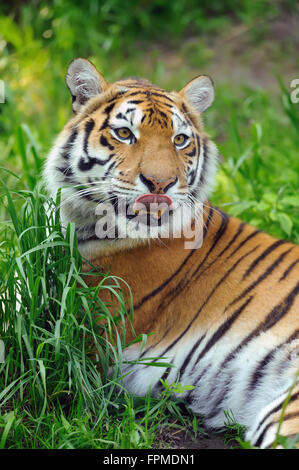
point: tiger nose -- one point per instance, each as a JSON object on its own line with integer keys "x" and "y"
{"x": 157, "y": 186}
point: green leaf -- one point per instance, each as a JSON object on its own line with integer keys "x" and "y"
{"x": 290, "y": 201}
{"x": 285, "y": 222}
{"x": 270, "y": 197}
{"x": 241, "y": 207}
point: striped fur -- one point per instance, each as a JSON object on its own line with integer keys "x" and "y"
{"x": 226, "y": 314}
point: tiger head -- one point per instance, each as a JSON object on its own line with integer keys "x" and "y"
{"x": 134, "y": 159}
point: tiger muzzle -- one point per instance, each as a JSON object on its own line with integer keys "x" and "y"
{"x": 157, "y": 186}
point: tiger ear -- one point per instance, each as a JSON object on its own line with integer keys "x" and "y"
{"x": 84, "y": 81}
{"x": 199, "y": 92}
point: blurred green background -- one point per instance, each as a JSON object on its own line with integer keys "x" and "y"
{"x": 249, "y": 48}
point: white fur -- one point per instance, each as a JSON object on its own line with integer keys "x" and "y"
{"x": 200, "y": 93}
{"x": 83, "y": 79}
{"x": 272, "y": 391}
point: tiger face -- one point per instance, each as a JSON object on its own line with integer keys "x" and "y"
{"x": 135, "y": 151}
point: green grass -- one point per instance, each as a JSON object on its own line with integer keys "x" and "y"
{"x": 258, "y": 180}
{"x": 58, "y": 334}
{"x": 51, "y": 393}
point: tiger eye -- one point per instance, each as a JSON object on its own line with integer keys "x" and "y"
{"x": 123, "y": 132}
{"x": 180, "y": 139}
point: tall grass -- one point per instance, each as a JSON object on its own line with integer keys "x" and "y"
{"x": 61, "y": 342}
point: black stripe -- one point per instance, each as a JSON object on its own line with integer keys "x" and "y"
{"x": 280, "y": 310}
{"x": 259, "y": 371}
{"x": 109, "y": 108}
{"x": 209, "y": 218}
{"x": 163, "y": 115}
{"x": 67, "y": 147}
{"x": 88, "y": 128}
{"x": 105, "y": 143}
{"x": 116, "y": 97}
{"x": 150, "y": 113}
{"x": 178, "y": 290}
{"x": 107, "y": 111}
{"x": 222, "y": 229}
{"x": 179, "y": 118}
{"x": 158, "y": 342}
{"x": 253, "y": 234}
{"x": 192, "y": 153}
{"x": 134, "y": 93}
{"x": 188, "y": 397}
{"x": 135, "y": 101}
{"x": 205, "y": 160}
{"x": 289, "y": 269}
{"x": 67, "y": 172}
{"x": 257, "y": 374}
{"x": 191, "y": 177}
{"x": 239, "y": 231}
{"x": 291, "y": 415}
{"x": 274, "y": 410}
{"x": 221, "y": 331}
{"x": 276, "y": 314}
{"x": 159, "y": 387}
{"x": 184, "y": 282}
{"x": 262, "y": 277}
{"x": 109, "y": 168}
{"x": 87, "y": 165}
{"x": 258, "y": 443}
{"x": 121, "y": 116}
{"x": 203, "y": 169}
{"x": 217, "y": 407}
{"x": 153, "y": 93}
{"x": 165, "y": 283}
{"x": 262, "y": 256}
{"x": 230, "y": 243}
{"x": 84, "y": 195}
{"x": 161, "y": 103}
{"x": 84, "y": 165}
{"x": 190, "y": 355}
{"x": 149, "y": 94}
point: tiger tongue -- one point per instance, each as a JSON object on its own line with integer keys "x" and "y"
{"x": 155, "y": 204}
{"x": 147, "y": 199}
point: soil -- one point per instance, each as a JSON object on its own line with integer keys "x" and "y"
{"x": 181, "y": 439}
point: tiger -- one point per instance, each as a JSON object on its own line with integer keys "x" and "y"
{"x": 222, "y": 312}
